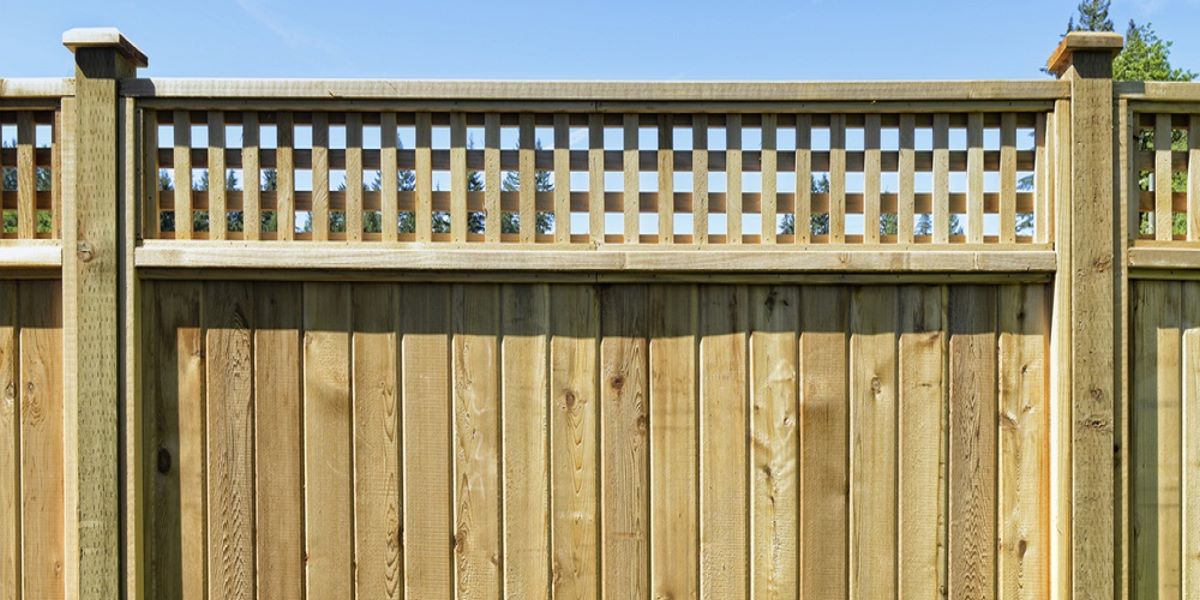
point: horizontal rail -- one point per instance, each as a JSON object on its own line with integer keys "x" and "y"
{"x": 708, "y": 92}
{"x": 36, "y": 88}
{"x": 509, "y": 257}
{"x": 30, "y": 255}
{"x": 1158, "y": 91}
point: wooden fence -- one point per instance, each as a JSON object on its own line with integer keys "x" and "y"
{"x": 287, "y": 339}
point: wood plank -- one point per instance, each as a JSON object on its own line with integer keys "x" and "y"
{"x": 1043, "y": 173}
{"x": 182, "y": 171}
{"x": 666, "y": 180}
{"x": 388, "y": 182}
{"x": 700, "y": 178}
{"x": 595, "y": 178}
{"x": 227, "y": 319}
{"x": 674, "y": 504}
{"x": 769, "y": 208}
{"x": 285, "y": 195}
{"x": 251, "y": 177}
{"x": 377, "y": 509}
{"x": 26, "y": 176}
{"x": 491, "y": 177}
{"x": 278, "y": 454}
{"x": 562, "y": 179}
{"x": 574, "y": 441}
{"x": 1163, "y": 211}
{"x": 218, "y": 221}
{"x": 327, "y": 450}
{"x": 733, "y": 179}
{"x": 1023, "y": 495}
{"x": 175, "y": 388}
{"x": 1008, "y": 178}
{"x": 624, "y": 424}
{"x": 941, "y": 178}
{"x": 824, "y": 449}
{"x": 151, "y": 222}
{"x": 458, "y": 177}
{"x": 423, "y": 215}
{"x": 803, "y": 210}
{"x": 774, "y": 510}
{"x": 39, "y": 309}
{"x": 475, "y": 365}
{"x": 871, "y": 180}
{"x": 10, "y": 443}
{"x": 921, "y": 431}
{"x": 319, "y": 214}
{"x": 905, "y": 213}
{"x": 527, "y": 176}
{"x": 1190, "y": 438}
{"x": 428, "y": 526}
{"x": 354, "y": 177}
{"x": 631, "y": 184}
{"x": 724, "y": 441}
{"x": 972, "y": 441}
{"x": 873, "y": 409}
{"x": 525, "y": 438}
{"x": 837, "y": 179}
{"x": 975, "y": 178}
{"x": 1193, "y": 178}
{"x": 1157, "y": 443}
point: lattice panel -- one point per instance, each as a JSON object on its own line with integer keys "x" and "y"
{"x": 569, "y": 178}
{"x": 1167, "y": 176}
{"x": 29, "y": 162}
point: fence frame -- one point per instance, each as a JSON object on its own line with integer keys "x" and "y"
{"x": 1088, "y": 247}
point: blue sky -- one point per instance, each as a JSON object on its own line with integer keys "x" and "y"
{"x": 565, "y": 39}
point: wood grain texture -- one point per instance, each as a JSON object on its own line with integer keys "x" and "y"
{"x": 1156, "y": 396}
{"x": 227, "y": 316}
{"x": 426, "y": 411}
{"x": 733, "y": 179}
{"x": 10, "y": 443}
{"x": 873, "y": 324}
{"x": 575, "y": 441}
{"x": 921, "y": 432}
{"x": 525, "y": 435}
{"x": 319, "y": 215}
{"x": 327, "y": 450}
{"x": 624, "y": 441}
{"x": 775, "y": 461}
{"x": 1190, "y": 434}
{"x": 1023, "y": 461}
{"x": 824, "y": 449}
{"x": 724, "y": 442}
{"x": 475, "y": 325}
{"x": 674, "y": 502}
{"x": 941, "y": 178}
{"x": 278, "y": 432}
{"x": 972, "y": 441}
{"x": 174, "y": 380}
{"x": 377, "y": 507}
{"x": 39, "y": 308}
{"x": 974, "y": 178}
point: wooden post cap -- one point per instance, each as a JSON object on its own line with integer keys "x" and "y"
{"x": 1083, "y": 41}
{"x": 104, "y": 37}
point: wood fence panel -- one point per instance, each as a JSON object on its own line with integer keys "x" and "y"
{"x": 577, "y": 440}
{"x": 724, "y": 435}
{"x": 327, "y": 450}
{"x": 775, "y": 460}
{"x": 376, "y": 439}
{"x": 10, "y": 436}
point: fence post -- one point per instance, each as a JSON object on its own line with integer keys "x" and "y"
{"x": 92, "y": 251}
{"x": 1085, "y": 314}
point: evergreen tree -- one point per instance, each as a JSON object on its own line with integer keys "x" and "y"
{"x": 1093, "y": 16}
{"x": 1146, "y": 57}
{"x": 818, "y": 223}
{"x": 542, "y": 182}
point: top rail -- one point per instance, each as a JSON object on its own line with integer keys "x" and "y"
{"x": 733, "y": 91}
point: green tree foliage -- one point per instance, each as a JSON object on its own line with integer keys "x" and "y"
{"x": 44, "y": 180}
{"x": 1147, "y": 57}
{"x": 542, "y": 182}
{"x": 1093, "y": 16}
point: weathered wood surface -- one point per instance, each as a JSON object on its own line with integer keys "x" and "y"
{"x": 560, "y": 440}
